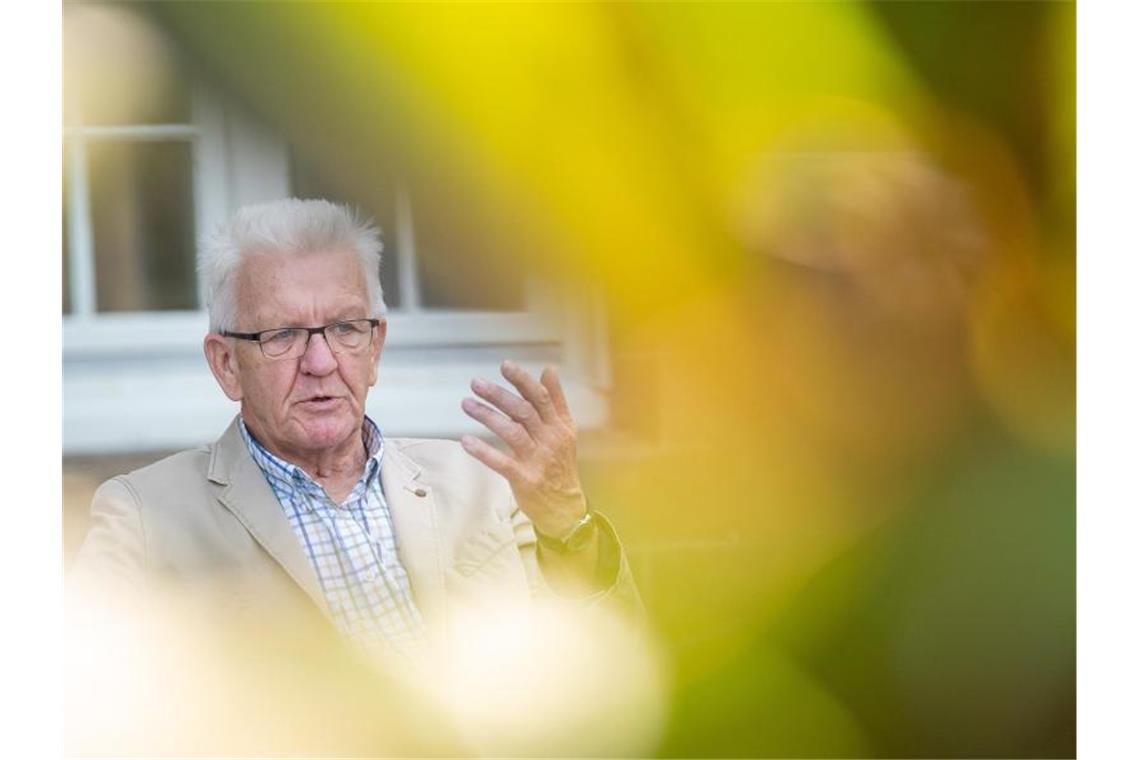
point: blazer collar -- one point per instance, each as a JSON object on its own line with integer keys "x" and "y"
{"x": 412, "y": 505}
{"x": 244, "y": 491}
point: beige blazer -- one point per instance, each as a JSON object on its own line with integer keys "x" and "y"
{"x": 207, "y": 519}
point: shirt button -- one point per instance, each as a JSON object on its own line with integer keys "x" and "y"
{"x": 371, "y": 575}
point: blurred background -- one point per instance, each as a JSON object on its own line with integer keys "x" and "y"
{"x": 808, "y": 271}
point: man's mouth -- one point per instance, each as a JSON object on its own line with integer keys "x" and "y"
{"x": 320, "y": 401}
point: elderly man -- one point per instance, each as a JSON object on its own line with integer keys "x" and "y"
{"x": 303, "y": 504}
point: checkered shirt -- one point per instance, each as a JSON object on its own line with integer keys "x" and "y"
{"x": 352, "y": 547}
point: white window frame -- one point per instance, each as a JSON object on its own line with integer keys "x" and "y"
{"x": 139, "y": 382}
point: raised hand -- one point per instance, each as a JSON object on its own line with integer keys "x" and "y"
{"x": 542, "y": 461}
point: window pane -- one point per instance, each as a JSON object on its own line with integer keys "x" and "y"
{"x": 120, "y": 69}
{"x": 465, "y": 260}
{"x": 374, "y": 197}
{"x": 142, "y": 217}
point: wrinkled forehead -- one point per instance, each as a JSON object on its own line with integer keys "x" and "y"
{"x": 301, "y": 288}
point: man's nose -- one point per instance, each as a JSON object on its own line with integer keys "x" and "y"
{"x": 318, "y": 358}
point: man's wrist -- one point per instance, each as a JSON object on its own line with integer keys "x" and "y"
{"x": 575, "y": 539}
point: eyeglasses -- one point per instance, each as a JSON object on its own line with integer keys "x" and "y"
{"x": 346, "y": 336}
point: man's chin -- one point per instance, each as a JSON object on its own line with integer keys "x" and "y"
{"x": 326, "y": 431}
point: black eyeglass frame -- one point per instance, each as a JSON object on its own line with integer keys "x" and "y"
{"x": 256, "y": 336}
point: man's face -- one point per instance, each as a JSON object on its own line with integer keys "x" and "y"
{"x": 302, "y": 408}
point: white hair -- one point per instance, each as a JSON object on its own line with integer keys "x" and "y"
{"x": 288, "y": 226}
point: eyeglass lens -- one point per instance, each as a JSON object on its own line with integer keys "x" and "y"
{"x": 293, "y": 341}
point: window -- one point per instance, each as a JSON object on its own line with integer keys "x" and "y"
{"x": 153, "y": 159}
{"x": 132, "y": 136}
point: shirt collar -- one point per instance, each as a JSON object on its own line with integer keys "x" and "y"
{"x": 274, "y": 466}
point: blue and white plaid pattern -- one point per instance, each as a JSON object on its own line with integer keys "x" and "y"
{"x": 352, "y": 547}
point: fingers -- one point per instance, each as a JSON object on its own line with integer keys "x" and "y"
{"x": 501, "y": 462}
{"x": 490, "y": 456}
{"x": 550, "y": 380}
{"x": 532, "y": 411}
{"x": 543, "y": 412}
{"x": 532, "y": 390}
{"x": 513, "y": 433}
{"x": 508, "y": 403}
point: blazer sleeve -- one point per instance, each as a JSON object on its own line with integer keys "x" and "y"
{"x": 113, "y": 557}
{"x": 618, "y": 595}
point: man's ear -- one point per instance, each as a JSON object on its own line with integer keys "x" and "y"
{"x": 220, "y": 355}
{"x": 377, "y": 347}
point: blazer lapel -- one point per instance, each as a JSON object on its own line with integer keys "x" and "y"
{"x": 413, "y": 509}
{"x": 244, "y": 491}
